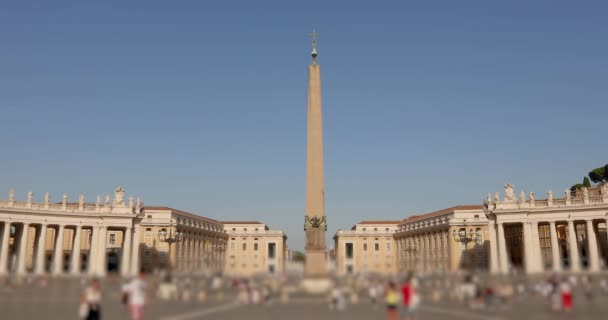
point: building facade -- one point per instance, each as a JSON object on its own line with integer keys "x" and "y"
{"x": 254, "y": 249}
{"x": 69, "y": 238}
{"x": 181, "y": 241}
{"x": 368, "y": 247}
{"x": 558, "y": 234}
{"x": 447, "y": 240}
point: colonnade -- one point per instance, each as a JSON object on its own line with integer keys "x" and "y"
{"x": 424, "y": 251}
{"x": 500, "y": 261}
{"x": 95, "y": 250}
{"x": 198, "y": 253}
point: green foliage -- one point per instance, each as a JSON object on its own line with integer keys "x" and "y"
{"x": 299, "y": 256}
{"x": 586, "y": 182}
{"x": 600, "y": 174}
{"x": 577, "y": 186}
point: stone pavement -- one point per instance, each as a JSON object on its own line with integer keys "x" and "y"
{"x": 59, "y": 300}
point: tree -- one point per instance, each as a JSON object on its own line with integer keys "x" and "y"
{"x": 586, "y": 182}
{"x": 577, "y": 186}
{"x": 600, "y": 174}
{"x": 299, "y": 256}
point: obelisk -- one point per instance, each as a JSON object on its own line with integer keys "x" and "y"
{"x": 314, "y": 221}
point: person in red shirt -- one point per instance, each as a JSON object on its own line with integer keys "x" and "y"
{"x": 410, "y": 299}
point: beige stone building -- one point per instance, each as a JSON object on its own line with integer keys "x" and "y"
{"x": 557, "y": 234}
{"x": 181, "y": 241}
{"x": 254, "y": 249}
{"x": 368, "y": 247}
{"x": 69, "y": 238}
{"x": 447, "y": 240}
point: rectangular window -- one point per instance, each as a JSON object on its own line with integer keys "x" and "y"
{"x": 376, "y": 246}
{"x": 388, "y": 246}
{"x": 232, "y": 246}
{"x": 244, "y": 246}
{"x": 349, "y": 251}
{"x": 255, "y": 247}
{"x": 112, "y": 238}
{"x": 365, "y": 247}
{"x": 272, "y": 248}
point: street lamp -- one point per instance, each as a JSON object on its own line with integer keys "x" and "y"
{"x": 461, "y": 236}
{"x": 170, "y": 237}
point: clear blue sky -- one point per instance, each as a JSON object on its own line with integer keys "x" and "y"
{"x": 201, "y": 105}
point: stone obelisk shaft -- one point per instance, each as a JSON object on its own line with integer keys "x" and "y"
{"x": 315, "y": 224}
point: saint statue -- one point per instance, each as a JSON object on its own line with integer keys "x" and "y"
{"x": 131, "y": 202}
{"x": 65, "y": 199}
{"x": 47, "y": 198}
{"x": 509, "y": 196}
{"x": 522, "y": 196}
{"x": 11, "y": 195}
{"x": 30, "y": 197}
{"x": 496, "y": 197}
{"x": 567, "y": 193}
{"x": 585, "y": 192}
{"x": 549, "y": 196}
{"x": 489, "y": 198}
{"x": 81, "y": 200}
{"x": 138, "y": 205}
{"x": 531, "y": 195}
{"x": 119, "y": 196}
{"x": 107, "y": 200}
{"x": 98, "y": 201}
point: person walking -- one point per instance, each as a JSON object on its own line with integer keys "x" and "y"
{"x": 411, "y": 299}
{"x": 90, "y": 301}
{"x": 136, "y": 292}
{"x": 391, "y": 298}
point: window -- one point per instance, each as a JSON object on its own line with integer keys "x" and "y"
{"x": 112, "y": 238}
{"x": 375, "y": 229}
{"x": 233, "y": 229}
{"x": 149, "y": 216}
{"x": 272, "y": 250}
{"x": 364, "y": 229}
{"x": 386, "y": 229}
{"x": 245, "y": 229}
{"x": 148, "y": 229}
{"x": 349, "y": 250}
{"x": 256, "y": 229}
{"x": 388, "y": 246}
{"x": 476, "y": 216}
{"x": 365, "y": 247}
{"x": 376, "y": 246}
{"x": 479, "y": 237}
{"x": 232, "y": 246}
{"x": 244, "y": 246}
{"x": 255, "y": 247}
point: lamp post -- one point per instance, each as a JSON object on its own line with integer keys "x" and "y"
{"x": 413, "y": 250}
{"x": 462, "y": 237}
{"x": 170, "y": 237}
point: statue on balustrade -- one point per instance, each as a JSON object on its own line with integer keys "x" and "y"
{"x": 509, "y": 196}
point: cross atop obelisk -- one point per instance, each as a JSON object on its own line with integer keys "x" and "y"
{"x": 315, "y": 224}
{"x": 314, "y": 36}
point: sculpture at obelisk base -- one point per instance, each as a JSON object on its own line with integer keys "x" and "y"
{"x": 315, "y": 224}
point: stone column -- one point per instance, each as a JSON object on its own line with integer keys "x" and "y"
{"x": 557, "y": 263}
{"x": 502, "y": 249}
{"x": 101, "y": 252}
{"x": 6, "y": 235}
{"x": 536, "y": 252}
{"x": 594, "y": 255}
{"x": 575, "y": 264}
{"x": 528, "y": 254}
{"x": 40, "y": 250}
{"x": 93, "y": 250}
{"x": 21, "y": 258}
{"x": 126, "y": 252}
{"x": 135, "y": 251}
{"x": 76, "y": 251}
{"x": 58, "y": 255}
{"x": 494, "y": 265}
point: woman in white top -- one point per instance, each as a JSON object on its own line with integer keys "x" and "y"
{"x": 90, "y": 301}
